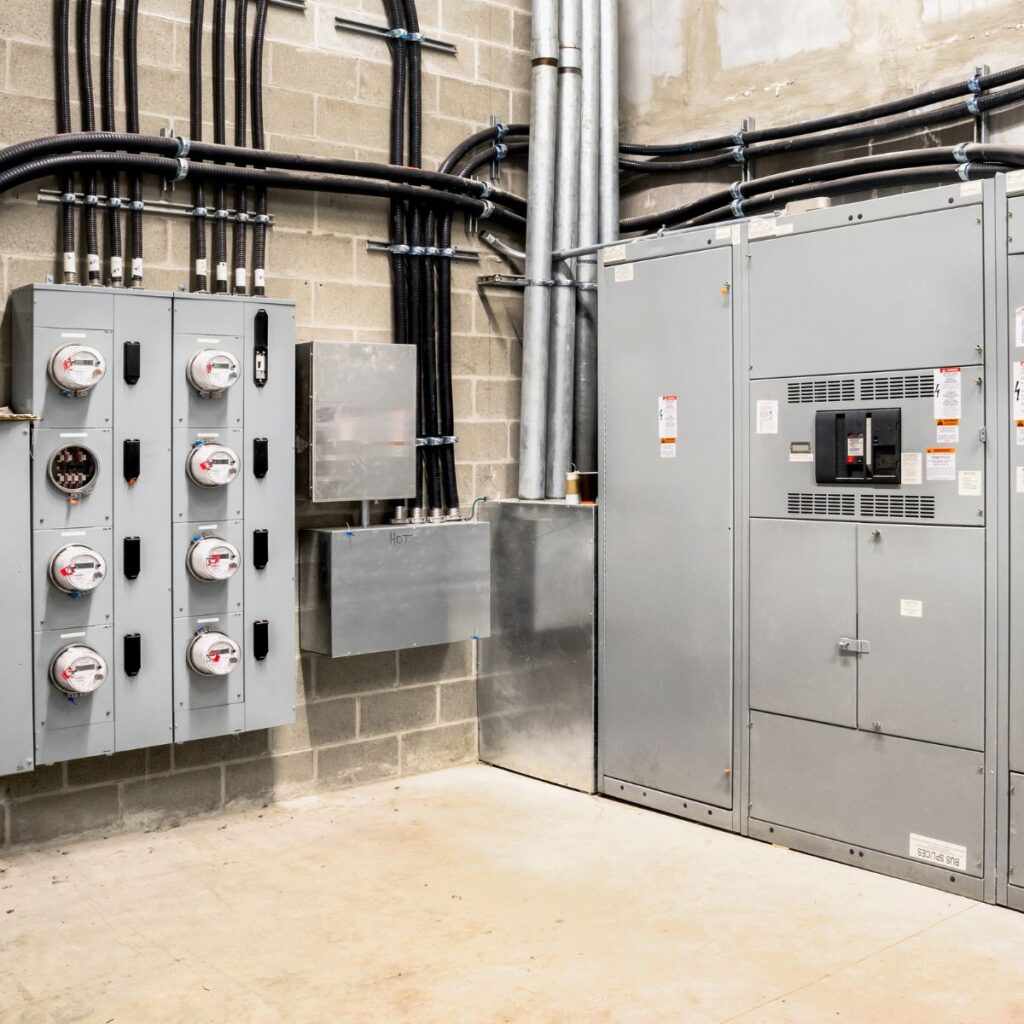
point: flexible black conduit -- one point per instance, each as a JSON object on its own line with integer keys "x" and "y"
{"x": 92, "y": 248}
{"x": 131, "y": 94}
{"x": 220, "y": 224}
{"x": 396, "y": 154}
{"x": 238, "y": 260}
{"x": 480, "y": 138}
{"x": 446, "y": 399}
{"x": 62, "y": 74}
{"x": 259, "y": 245}
{"x": 819, "y": 124}
{"x": 200, "y": 272}
{"x": 114, "y": 250}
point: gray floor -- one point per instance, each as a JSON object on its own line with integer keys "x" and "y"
{"x": 476, "y": 896}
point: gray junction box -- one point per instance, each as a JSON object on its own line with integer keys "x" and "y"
{"x": 801, "y": 620}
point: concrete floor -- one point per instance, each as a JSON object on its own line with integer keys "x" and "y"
{"x": 477, "y": 896}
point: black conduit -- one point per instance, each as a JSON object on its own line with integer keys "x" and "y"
{"x": 92, "y": 249}
{"x": 201, "y": 273}
{"x": 259, "y": 246}
{"x": 131, "y": 93}
{"x": 220, "y": 224}
{"x": 114, "y": 250}
{"x": 446, "y": 401}
{"x": 62, "y": 73}
{"x": 239, "y": 273}
{"x": 396, "y": 154}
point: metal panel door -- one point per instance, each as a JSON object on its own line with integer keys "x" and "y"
{"x": 666, "y": 712}
{"x": 921, "y": 606}
{"x": 1016, "y": 301}
{"x": 803, "y": 601}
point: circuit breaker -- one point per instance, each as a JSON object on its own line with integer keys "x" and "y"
{"x": 151, "y": 473}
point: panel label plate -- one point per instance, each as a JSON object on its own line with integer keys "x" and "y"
{"x": 970, "y": 483}
{"x": 767, "y": 416}
{"x": 668, "y": 424}
{"x": 911, "y": 609}
{"x": 910, "y": 469}
{"x": 941, "y": 464}
{"x": 935, "y": 851}
{"x": 947, "y": 396}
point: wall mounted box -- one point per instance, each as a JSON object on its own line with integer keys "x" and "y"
{"x": 392, "y": 587}
{"x": 356, "y": 421}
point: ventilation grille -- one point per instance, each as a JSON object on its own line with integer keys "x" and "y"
{"x": 801, "y": 391}
{"x": 897, "y": 506}
{"x": 821, "y": 504}
{"x": 882, "y": 389}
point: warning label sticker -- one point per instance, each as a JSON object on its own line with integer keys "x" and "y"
{"x": 940, "y": 464}
{"x": 947, "y": 434}
{"x": 970, "y": 483}
{"x": 1020, "y": 479}
{"x": 948, "y": 855}
{"x": 911, "y": 609}
{"x": 668, "y": 424}
{"x": 1018, "y": 321}
{"x": 767, "y": 416}
{"x": 910, "y": 469}
{"x": 947, "y": 396}
{"x": 1018, "y": 393}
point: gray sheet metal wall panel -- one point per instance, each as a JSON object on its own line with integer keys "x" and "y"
{"x": 666, "y": 651}
{"x": 921, "y": 606}
{"x": 1015, "y": 840}
{"x": 54, "y": 609}
{"x": 195, "y": 504}
{"x": 142, "y": 412}
{"x": 431, "y": 585}
{"x": 866, "y": 789}
{"x": 195, "y": 597}
{"x": 17, "y": 751}
{"x": 535, "y": 687}
{"x": 270, "y": 592}
{"x": 51, "y": 509}
{"x": 1016, "y": 515}
{"x": 866, "y": 296}
{"x": 803, "y": 598}
{"x": 780, "y": 486}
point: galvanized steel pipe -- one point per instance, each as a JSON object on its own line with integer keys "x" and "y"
{"x": 609, "y": 120}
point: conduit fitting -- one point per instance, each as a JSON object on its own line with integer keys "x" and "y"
{"x": 960, "y": 153}
{"x": 964, "y": 171}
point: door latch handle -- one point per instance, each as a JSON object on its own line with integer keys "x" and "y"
{"x": 849, "y": 645}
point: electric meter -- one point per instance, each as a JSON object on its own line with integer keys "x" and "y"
{"x": 212, "y": 465}
{"x": 213, "y": 559}
{"x": 73, "y": 469}
{"x": 77, "y": 369}
{"x": 212, "y": 371}
{"x": 213, "y": 654}
{"x": 77, "y": 670}
{"x": 77, "y": 569}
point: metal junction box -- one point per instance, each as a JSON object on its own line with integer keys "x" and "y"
{"x": 357, "y": 420}
{"x": 391, "y": 587}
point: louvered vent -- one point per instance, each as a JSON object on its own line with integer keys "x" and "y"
{"x": 821, "y": 504}
{"x": 897, "y": 506}
{"x": 801, "y": 391}
{"x": 884, "y": 389}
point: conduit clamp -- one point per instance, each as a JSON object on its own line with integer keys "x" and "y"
{"x": 184, "y": 145}
{"x": 739, "y": 154}
{"x": 182, "y": 173}
{"x": 242, "y": 218}
{"x": 736, "y": 190}
{"x": 69, "y": 198}
{"x": 736, "y": 206}
{"x": 114, "y": 203}
{"x": 403, "y": 36}
{"x": 200, "y": 212}
{"x": 960, "y": 153}
{"x": 500, "y": 131}
{"x": 261, "y": 218}
{"x": 435, "y": 442}
{"x": 486, "y": 191}
{"x": 738, "y": 137}
{"x": 91, "y": 200}
{"x": 486, "y": 211}
{"x": 972, "y": 106}
{"x": 220, "y": 215}
{"x": 500, "y": 151}
{"x": 964, "y": 171}
{"x": 974, "y": 83}
{"x": 137, "y": 205}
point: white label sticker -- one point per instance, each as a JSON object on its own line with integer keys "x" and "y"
{"x": 623, "y": 272}
{"x": 137, "y": 269}
{"x": 970, "y": 188}
{"x": 970, "y": 483}
{"x": 855, "y": 446}
{"x": 723, "y": 234}
{"x": 614, "y": 253}
{"x": 948, "y": 855}
{"x": 1020, "y": 479}
{"x": 1018, "y": 393}
{"x": 69, "y": 263}
{"x": 947, "y": 395}
{"x": 1018, "y": 320}
{"x": 911, "y": 609}
{"x": 767, "y": 227}
{"x": 93, "y": 263}
{"x": 947, "y": 435}
{"x": 116, "y": 267}
{"x": 1020, "y": 433}
{"x": 1015, "y": 182}
{"x": 767, "y": 416}
{"x": 910, "y": 469}
{"x": 801, "y": 456}
{"x": 940, "y": 464}
{"x": 668, "y": 424}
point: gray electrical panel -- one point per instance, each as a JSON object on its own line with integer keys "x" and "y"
{"x": 161, "y": 539}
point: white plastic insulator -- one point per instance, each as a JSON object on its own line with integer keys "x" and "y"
{"x": 212, "y": 465}
{"x": 213, "y": 371}
{"x": 77, "y": 569}
{"x": 213, "y": 559}
{"x": 77, "y": 368}
{"x": 213, "y": 654}
{"x": 78, "y": 669}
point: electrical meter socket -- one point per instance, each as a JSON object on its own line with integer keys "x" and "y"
{"x": 77, "y": 670}
{"x": 212, "y": 371}
{"x": 213, "y": 559}
{"x": 213, "y": 654}
{"x": 76, "y": 369}
{"x": 77, "y": 569}
{"x": 73, "y": 469}
{"x": 212, "y": 465}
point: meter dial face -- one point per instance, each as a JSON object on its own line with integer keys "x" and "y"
{"x": 213, "y": 654}
{"x": 213, "y": 559}
{"x": 212, "y": 465}
{"x": 77, "y": 670}
{"x": 213, "y": 371}
{"x": 77, "y": 369}
{"x": 77, "y": 569}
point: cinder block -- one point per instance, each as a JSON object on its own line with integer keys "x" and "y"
{"x": 355, "y": 763}
{"x": 91, "y": 770}
{"x": 313, "y": 72}
{"x": 159, "y": 759}
{"x": 496, "y": 480}
{"x": 437, "y": 663}
{"x": 473, "y": 100}
{"x": 397, "y": 710}
{"x": 342, "y": 676}
{"x": 479, "y": 20}
{"x": 332, "y": 721}
{"x": 168, "y": 800}
{"x": 47, "y": 778}
{"x": 270, "y": 778}
{"x": 30, "y": 69}
{"x": 483, "y": 441}
{"x": 238, "y": 747}
{"x": 498, "y": 399}
{"x": 49, "y": 817}
{"x": 431, "y": 749}
{"x": 458, "y": 701}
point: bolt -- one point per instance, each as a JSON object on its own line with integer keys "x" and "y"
{"x": 876, "y": 726}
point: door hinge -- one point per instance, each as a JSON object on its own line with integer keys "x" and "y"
{"x": 982, "y": 435}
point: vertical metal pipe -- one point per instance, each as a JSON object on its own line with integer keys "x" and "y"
{"x": 585, "y": 417}
{"x": 562, "y": 338}
{"x": 539, "y": 230}
{"x": 609, "y": 120}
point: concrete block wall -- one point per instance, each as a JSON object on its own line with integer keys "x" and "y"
{"x": 358, "y": 719}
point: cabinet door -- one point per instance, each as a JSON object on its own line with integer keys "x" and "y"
{"x": 921, "y": 606}
{"x": 803, "y": 600}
